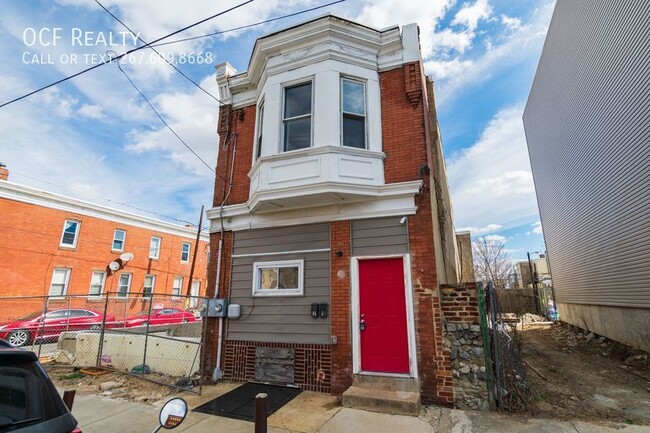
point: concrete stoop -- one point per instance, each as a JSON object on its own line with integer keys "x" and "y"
{"x": 396, "y": 396}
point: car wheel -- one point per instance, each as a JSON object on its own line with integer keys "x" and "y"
{"x": 18, "y": 338}
{"x": 95, "y": 327}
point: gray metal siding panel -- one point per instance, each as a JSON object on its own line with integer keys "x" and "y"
{"x": 587, "y": 124}
{"x": 287, "y": 318}
{"x": 380, "y": 236}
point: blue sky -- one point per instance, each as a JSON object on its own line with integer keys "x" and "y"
{"x": 95, "y": 138}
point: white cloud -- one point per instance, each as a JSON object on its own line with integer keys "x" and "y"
{"x": 92, "y": 112}
{"x": 479, "y": 230}
{"x": 495, "y": 238}
{"x": 451, "y": 40}
{"x": 470, "y": 15}
{"x": 513, "y": 23}
{"x": 491, "y": 181}
{"x": 537, "y": 227}
{"x": 447, "y": 69}
{"x": 384, "y": 13}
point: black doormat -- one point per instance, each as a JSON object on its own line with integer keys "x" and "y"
{"x": 240, "y": 402}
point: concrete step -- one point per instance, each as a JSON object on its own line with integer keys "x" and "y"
{"x": 386, "y": 383}
{"x": 382, "y": 401}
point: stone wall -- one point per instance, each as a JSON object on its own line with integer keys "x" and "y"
{"x": 463, "y": 339}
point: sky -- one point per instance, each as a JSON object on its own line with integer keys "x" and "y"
{"x": 95, "y": 138}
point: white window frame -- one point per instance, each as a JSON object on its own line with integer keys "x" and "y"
{"x": 157, "y": 255}
{"x": 76, "y": 234}
{"x": 289, "y": 85}
{"x": 101, "y": 286}
{"x": 189, "y": 251}
{"x": 258, "y": 266}
{"x": 177, "y": 290}
{"x": 144, "y": 285}
{"x": 123, "y": 240}
{"x": 128, "y": 285}
{"x": 365, "y": 111}
{"x": 259, "y": 132}
{"x": 66, "y": 281}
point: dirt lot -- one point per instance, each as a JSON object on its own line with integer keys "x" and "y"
{"x": 588, "y": 377}
{"x": 121, "y": 386}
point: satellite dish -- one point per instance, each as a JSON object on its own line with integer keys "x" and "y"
{"x": 125, "y": 257}
{"x": 113, "y": 266}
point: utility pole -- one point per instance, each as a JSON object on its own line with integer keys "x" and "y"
{"x": 196, "y": 249}
{"x": 533, "y": 277}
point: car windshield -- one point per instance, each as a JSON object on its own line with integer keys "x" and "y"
{"x": 146, "y": 313}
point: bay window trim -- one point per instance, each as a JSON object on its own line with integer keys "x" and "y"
{"x": 310, "y": 115}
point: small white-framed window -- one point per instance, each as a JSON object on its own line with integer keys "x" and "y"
{"x": 154, "y": 247}
{"x": 185, "y": 252}
{"x": 59, "y": 284}
{"x": 353, "y": 113}
{"x": 260, "y": 123}
{"x": 70, "y": 233}
{"x": 124, "y": 285}
{"x": 119, "y": 237}
{"x": 97, "y": 282}
{"x": 278, "y": 278}
{"x": 177, "y": 288}
{"x": 148, "y": 286}
{"x": 297, "y": 116}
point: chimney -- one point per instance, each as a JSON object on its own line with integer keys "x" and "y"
{"x": 4, "y": 173}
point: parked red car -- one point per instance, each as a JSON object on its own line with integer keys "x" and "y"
{"x": 38, "y": 327}
{"x": 160, "y": 316}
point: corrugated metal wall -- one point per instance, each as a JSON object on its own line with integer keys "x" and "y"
{"x": 380, "y": 236}
{"x": 587, "y": 123}
{"x": 281, "y": 319}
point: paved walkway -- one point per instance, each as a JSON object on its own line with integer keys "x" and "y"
{"x": 316, "y": 413}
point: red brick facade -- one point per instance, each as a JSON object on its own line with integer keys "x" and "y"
{"x": 32, "y": 234}
{"x": 460, "y": 303}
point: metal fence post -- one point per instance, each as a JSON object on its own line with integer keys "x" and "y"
{"x": 100, "y": 345}
{"x": 495, "y": 340}
{"x": 146, "y": 336}
{"x": 41, "y": 327}
{"x": 486, "y": 346}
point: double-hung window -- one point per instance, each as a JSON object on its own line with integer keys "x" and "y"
{"x": 59, "y": 284}
{"x": 97, "y": 281}
{"x": 353, "y": 109}
{"x": 154, "y": 247}
{"x": 70, "y": 232}
{"x": 124, "y": 285}
{"x": 280, "y": 278}
{"x": 118, "y": 240}
{"x": 260, "y": 123}
{"x": 148, "y": 286}
{"x": 185, "y": 252}
{"x": 177, "y": 288}
{"x": 297, "y": 116}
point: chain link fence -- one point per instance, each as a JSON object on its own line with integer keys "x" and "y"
{"x": 158, "y": 337}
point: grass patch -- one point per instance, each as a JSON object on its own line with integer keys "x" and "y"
{"x": 72, "y": 376}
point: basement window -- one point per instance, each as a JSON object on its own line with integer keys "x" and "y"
{"x": 279, "y": 278}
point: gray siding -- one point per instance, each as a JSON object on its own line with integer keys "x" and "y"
{"x": 281, "y": 319}
{"x": 380, "y": 236}
{"x": 587, "y": 123}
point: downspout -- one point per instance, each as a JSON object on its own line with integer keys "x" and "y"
{"x": 217, "y": 374}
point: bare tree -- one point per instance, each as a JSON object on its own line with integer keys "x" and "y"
{"x": 491, "y": 263}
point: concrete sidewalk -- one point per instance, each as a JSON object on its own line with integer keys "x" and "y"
{"x": 311, "y": 413}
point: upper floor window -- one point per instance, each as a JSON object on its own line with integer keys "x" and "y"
{"x": 59, "y": 284}
{"x": 353, "y": 108}
{"x": 154, "y": 247}
{"x": 97, "y": 281}
{"x": 118, "y": 240}
{"x": 70, "y": 232}
{"x": 297, "y": 116}
{"x": 260, "y": 122}
{"x": 185, "y": 252}
{"x": 124, "y": 285}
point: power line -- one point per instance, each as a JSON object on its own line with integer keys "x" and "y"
{"x": 118, "y": 57}
{"x": 160, "y": 55}
{"x": 249, "y": 25}
{"x": 163, "y": 120}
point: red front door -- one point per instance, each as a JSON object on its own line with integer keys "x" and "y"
{"x": 382, "y": 308}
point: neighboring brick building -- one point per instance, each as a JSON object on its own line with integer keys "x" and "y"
{"x": 56, "y": 245}
{"x": 331, "y": 225}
